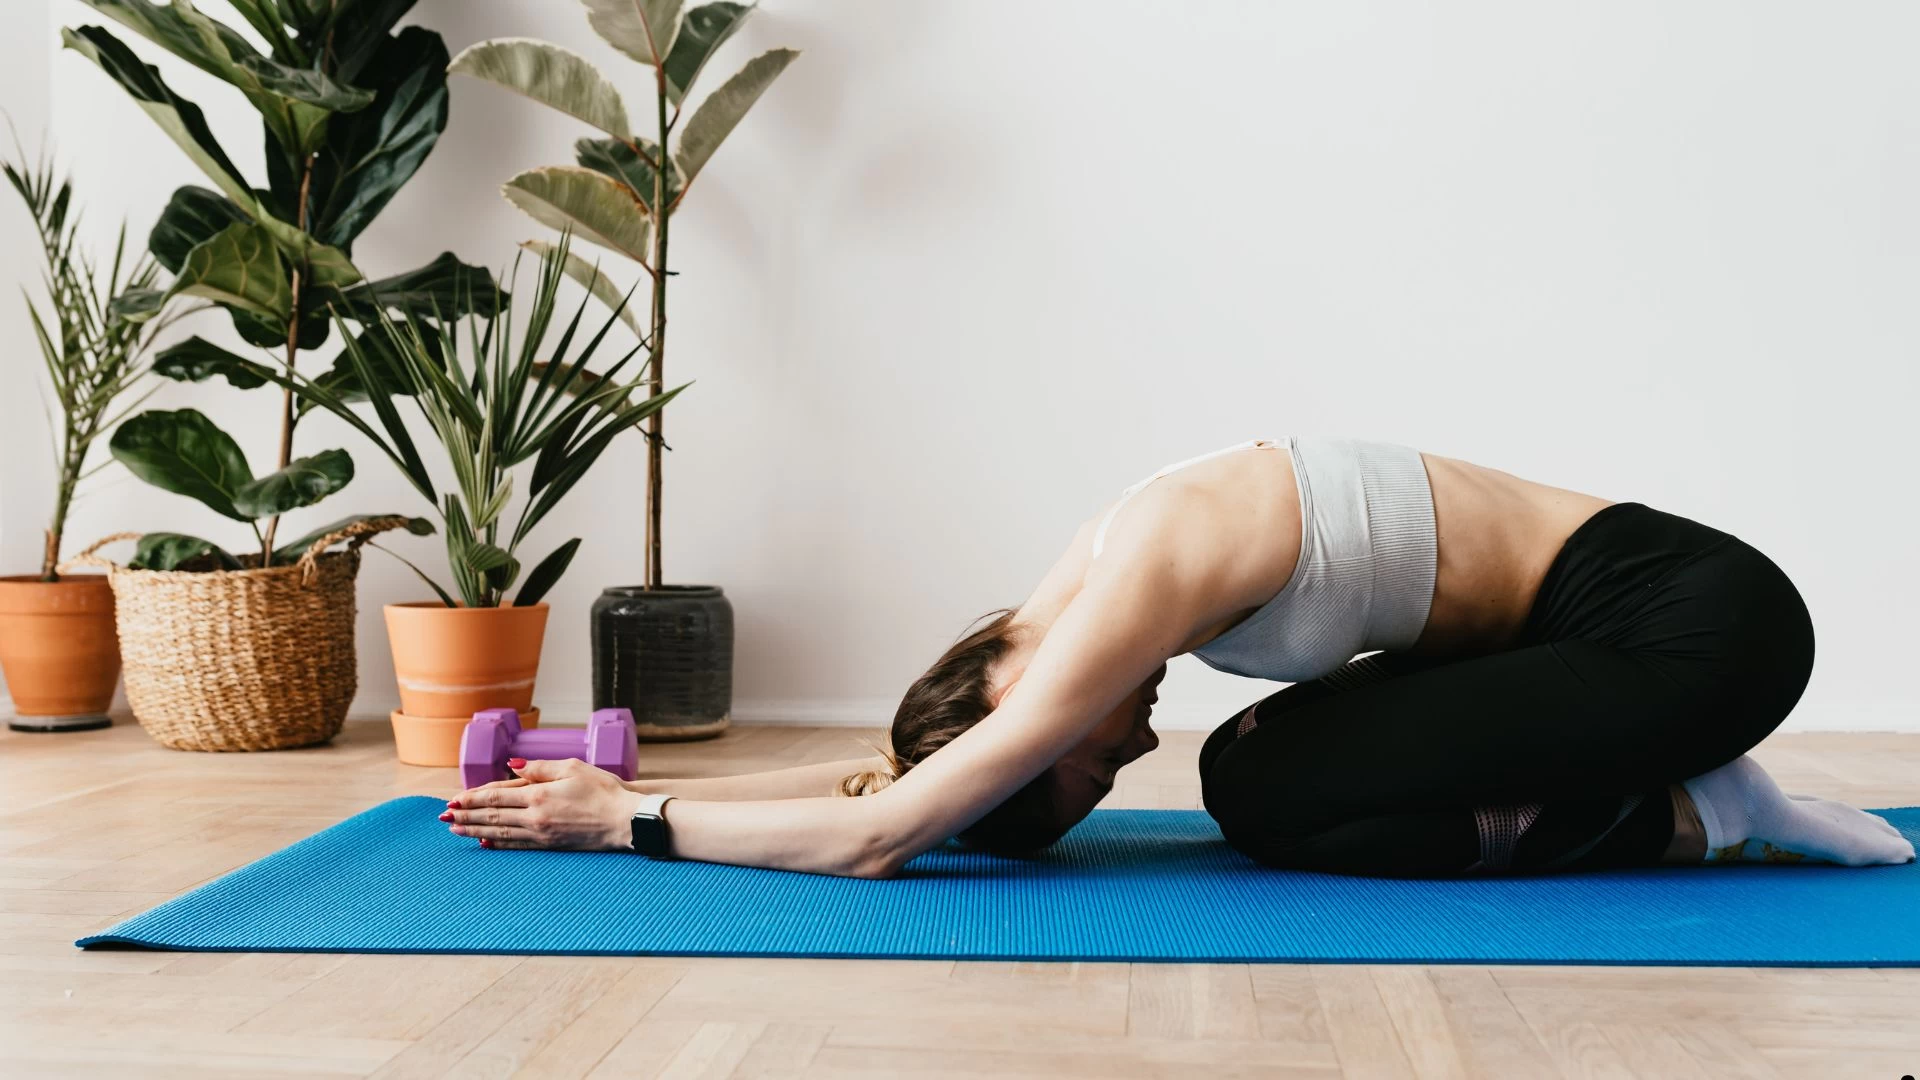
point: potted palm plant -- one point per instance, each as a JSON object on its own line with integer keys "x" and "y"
{"x": 56, "y": 631}
{"x": 497, "y": 411}
{"x": 665, "y": 652}
{"x": 255, "y": 651}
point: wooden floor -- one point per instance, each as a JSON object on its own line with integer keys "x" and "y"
{"x": 95, "y": 827}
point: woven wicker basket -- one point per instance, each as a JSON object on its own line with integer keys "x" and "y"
{"x": 241, "y": 659}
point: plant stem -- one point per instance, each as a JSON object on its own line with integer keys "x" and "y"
{"x": 654, "y": 427}
{"x": 63, "y": 501}
{"x": 293, "y": 354}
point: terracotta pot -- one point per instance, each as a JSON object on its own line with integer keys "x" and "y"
{"x": 59, "y": 650}
{"x": 453, "y": 662}
{"x": 435, "y": 740}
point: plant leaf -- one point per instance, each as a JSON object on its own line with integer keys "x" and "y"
{"x": 445, "y": 597}
{"x": 555, "y": 77}
{"x": 197, "y": 359}
{"x": 369, "y": 154}
{"x": 353, "y": 31}
{"x": 304, "y": 85}
{"x": 289, "y": 552}
{"x": 593, "y": 206}
{"x": 618, "y": 160}
{"x": 723, "y": 109}
{"x": 546, "y": 574}
{"x": 191, "y": 216}
{"x": 703, "y": 31}
{"x": 381, "y": 345}
{"x": 183, "y": 452}
{"x": 138, "y": 305}
{"x": 303, "y": 482}
{"x": 643, "y": 29}
{"x": 445, "y": 288}
{"x": 186, "y": 125}
{"x": 597, "y": 283}
{"x": 171, "y": 551}
{"x": 239, "y": 265}
{"x": 181, "y": 119}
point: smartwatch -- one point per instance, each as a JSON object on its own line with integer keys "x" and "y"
{"x": 650, "y": 826}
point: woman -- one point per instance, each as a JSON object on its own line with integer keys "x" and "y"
{"x": 1561, "y": 683}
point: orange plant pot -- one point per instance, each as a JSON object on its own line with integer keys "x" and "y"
{"x": 58, "y": 647}
{"x": 453, "y": 662}
{"x": 435, "y": 740}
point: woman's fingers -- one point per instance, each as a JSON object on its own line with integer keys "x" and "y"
{"x": 494, "y": 796}
{"x": 515, "y": 816}
{"x": 494, "y": 833}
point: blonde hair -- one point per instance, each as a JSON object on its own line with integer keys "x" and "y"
{"x": 955, "y": 694}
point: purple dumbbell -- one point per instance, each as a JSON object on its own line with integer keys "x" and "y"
{"x": 494, "y": 735}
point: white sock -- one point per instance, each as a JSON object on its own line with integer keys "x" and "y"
{"x": 1749, "y": 819}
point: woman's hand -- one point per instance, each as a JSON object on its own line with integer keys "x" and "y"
{"x": 551, "y": 804}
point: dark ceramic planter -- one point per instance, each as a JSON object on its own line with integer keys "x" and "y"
{"x": 666, "y": 654}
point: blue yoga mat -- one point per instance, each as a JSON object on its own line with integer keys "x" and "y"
{"x": 1136, "y": 885}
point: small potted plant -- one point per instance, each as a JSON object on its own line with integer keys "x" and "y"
{"x": 226, "y": 651}
{"x": 56, "y": 631}
{"x": 493, "y": 406}
{"x": 663, "y": 651}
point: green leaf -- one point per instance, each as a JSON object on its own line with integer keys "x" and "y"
{"x": 445, "y": 597}
{"x": 173, "y": 551}
{"x": 594, "y": 207}
{"x": 702, "y": 32}
{"x": 138, "y": 305}
{"x": 381, "y": 346}
{"x": 724, "y": 108}
{"x": 303, "y": 482}
{"x": 293, "y": 103}
{"x": 183, "y": 452}
{"x": 239, "y": 265}
{"x": 191, "y": 216}
{"x": 597, "y": 283}
{"x": 289, "y": 552}
{"x": 353, "y": 32}
{"x": 370, "y": 154}
{"x": 544, "y": 576}
{"x": 306, "y": 85}
{"x": 445, "y": 288}
{"x": 181, "y": 119}
{"x": 643, "y": 29}
{"x": 184, "y": 123}
{"x": 553, "y": 76}
{"x": 616, "y": 159}
{"x": 197, "y": 360}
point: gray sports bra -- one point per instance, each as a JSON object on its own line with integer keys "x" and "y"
{"x": 1368, "y": 557}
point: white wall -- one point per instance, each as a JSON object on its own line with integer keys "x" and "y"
{"x": 972, "y": 267}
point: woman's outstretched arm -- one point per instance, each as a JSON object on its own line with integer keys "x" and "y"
{"x": 798, "y": 782}
{"x": 1133, "y": 613}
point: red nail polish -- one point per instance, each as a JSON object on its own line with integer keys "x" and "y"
{"x": 517, "y": 763}
{"x": 486, "y": 843}
{"x": 448, "y": 816}
{"x": 454, "y": 805}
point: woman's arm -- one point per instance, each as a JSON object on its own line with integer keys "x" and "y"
{"x": 798, "y": 782}
{"x": 1139, "y": 605}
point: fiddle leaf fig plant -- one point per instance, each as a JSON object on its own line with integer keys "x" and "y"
{"x": 623, "y": 188}
{"x": 496, "y": 397}
{"x": 349, "y": 107}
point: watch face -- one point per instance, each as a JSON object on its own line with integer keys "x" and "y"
{"x": 649, "y": 834}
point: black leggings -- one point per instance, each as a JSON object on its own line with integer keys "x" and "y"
{"x": 1657, "y": 649}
